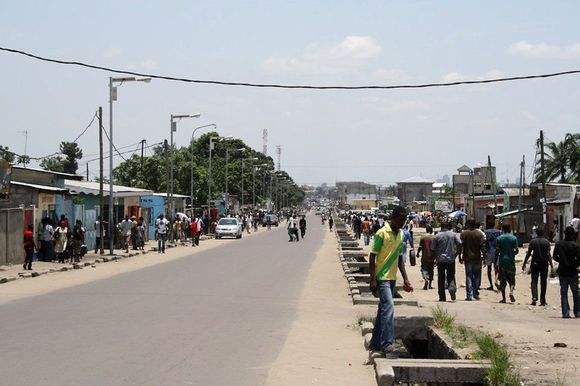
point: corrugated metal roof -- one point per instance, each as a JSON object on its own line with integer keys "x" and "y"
{"x": 66, "y": 175}
{"x": 91, "y": 187}
{"x": 39, "y": 187}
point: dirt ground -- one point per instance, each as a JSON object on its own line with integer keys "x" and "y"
{"x": 324, "y": 346}
{"x": 529, "y": 331}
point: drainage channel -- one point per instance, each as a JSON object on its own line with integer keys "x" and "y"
{"x": 424, "y": 356}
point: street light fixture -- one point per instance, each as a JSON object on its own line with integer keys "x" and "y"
{"x": 191, "y": 144}
{"x": 112, "y": 98}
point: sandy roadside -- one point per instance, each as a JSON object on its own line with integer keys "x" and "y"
{"x": 529, "y": 331}
{"x": 324, "y": 345}
{"x": 55, "y": 281}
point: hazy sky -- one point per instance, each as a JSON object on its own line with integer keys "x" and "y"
{"x": 377, "y": 136}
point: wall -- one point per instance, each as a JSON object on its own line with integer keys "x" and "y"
{"x": 11, "y": 234}
{"x": 410, "y": 191}
{"x": 20, "y": 196}
{"x": 156, "y": 206}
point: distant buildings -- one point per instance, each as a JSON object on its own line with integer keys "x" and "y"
{"x": 414, "y": 189}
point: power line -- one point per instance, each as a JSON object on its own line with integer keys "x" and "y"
{"x": 287, "y": 86}
{"x": 86, "y": 128}
{"x": 114, "y": 147}
{"x": 124, "y": 152}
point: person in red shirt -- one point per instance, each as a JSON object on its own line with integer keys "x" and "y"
{"x": 29, "y": 247}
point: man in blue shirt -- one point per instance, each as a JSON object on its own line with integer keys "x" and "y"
{"x": 507, "y": 249}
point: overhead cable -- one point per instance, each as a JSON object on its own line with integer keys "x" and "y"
{"x": 288, "y": 86}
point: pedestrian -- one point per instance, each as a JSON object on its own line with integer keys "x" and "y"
{"x": 255, "y": 221}
{"x": 567, "y": 254}
{"x": 444, "y": 247}
{"x": 575, "y": 224}
{"x": 507, "y": 249}
{"x": 302, "y": 225}
{"x": 125, "y": 227}
{"x": 472, "y": 246}
{"x": 161, "y": 227}
{"x": 29, "y": 247}
{"x": 78, "y": 240}
{"x": 60, "y": 237}
{"x": 427, "y": 260}
{"x": 383, "y": 263}
{"x": 46, "y": 240}
{"x": 134, "y": 233}
{"x": 98, "y": 234}
{"x": 539, "y": 250}
{"x": 196, "y": 227}
{"x": 141, "y": 229}
{"x": 407, "y": 239}
{"x": 249, "y": 223}
{"x": 291, "y": 225}
{"x": 330, "y": 222}
{"x": 491, "y": 235}
{"x": 366, "y": 230}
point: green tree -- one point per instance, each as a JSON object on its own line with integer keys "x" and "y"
{"x": 54, "y": 164}
{"x": 72, "y": 153}
{"x": 561, "y": 160}
{"x": 6, "y": 154}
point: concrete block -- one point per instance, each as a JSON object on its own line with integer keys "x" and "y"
{"x": 435, "y": 370}
{"x": 367, "y": 328}
{"x": 367, "y": 340}
{"x": 385, "y": 374}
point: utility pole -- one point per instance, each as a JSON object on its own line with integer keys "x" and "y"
{"x": 493, "y": 187}
{"x": 166, "y": 153}
{"x": 543, "y": 176}
{"x": 522, "y": 181}
{"x": 87, "y": 171}
{"x": 101, "y": 198}
{"x": 472, "y": 195}
{"x": 142, "y": 149}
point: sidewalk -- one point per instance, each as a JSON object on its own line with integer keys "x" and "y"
{"x": 324, "y": 345}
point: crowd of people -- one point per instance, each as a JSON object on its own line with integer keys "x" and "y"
{"x": 479, "y": 249}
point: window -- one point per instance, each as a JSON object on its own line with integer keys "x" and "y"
{"x": 228, "y": 221}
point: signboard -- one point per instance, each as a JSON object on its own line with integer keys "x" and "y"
{"x": 5, "y": 174}
{"x": 443, "y": 206}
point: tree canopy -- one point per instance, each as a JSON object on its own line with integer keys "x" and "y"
{"x": 152, "y": 172}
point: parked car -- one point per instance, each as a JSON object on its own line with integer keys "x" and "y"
{"x": 272, "y": 218}
{"x": 228, "y": 227}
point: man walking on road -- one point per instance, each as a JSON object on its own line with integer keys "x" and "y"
{"x": 472, "y": 245}
{"x": 383, "y": 263}
{"x": 507, "y": 249}
{"x": 444, "y": 248}
{"x": 302, "y": 225}
{"x": 330, "y": 222}
{"x": 427, "y": 262}
{"x": 161, "y": 226}
{"x": 539, "y": 249}
{"x": 491, "y": 235}
{"x": 29, "y": 247}
{"x": 567, "y": 254}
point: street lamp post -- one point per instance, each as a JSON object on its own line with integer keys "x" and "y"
{"x": 242, "y": 192}
{"x": 112, "y": 98}
{"x": 172, "y": 129}
{"x": 227, "y": 178}
{"x": 191, "y": 144}
{"x": 209, "y": 179}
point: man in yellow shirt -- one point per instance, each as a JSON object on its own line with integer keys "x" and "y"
{"x": 383, "y": 262}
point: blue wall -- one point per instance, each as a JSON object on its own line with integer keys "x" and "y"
{"x": 157, "y": 206}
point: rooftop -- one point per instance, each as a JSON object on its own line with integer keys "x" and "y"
{"x": 38, "y": 187}
{"x": 91, "y": 187}
{"x": 65, "y": 175}
{"x": 416, "y": 180}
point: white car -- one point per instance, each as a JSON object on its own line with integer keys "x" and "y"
{"x": 228, "y": 226}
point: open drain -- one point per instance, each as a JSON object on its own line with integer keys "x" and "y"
{"x": 424, "y": 357}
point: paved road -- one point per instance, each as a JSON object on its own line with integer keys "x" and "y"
{"x": 213, "y": 318}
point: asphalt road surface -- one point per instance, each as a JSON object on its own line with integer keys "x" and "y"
{"x": 218, "y": 317}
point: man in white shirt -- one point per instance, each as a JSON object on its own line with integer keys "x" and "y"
{"x": 161, "y": 226}
{"x": 125, "y": 227}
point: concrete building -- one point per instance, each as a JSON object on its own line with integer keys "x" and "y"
{"x": 414, "y": 189}
{"x": 345, "y": 188}
{"x": 480, "y": 180}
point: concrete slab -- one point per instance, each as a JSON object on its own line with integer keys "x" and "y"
{"x": 430, "y": 370}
